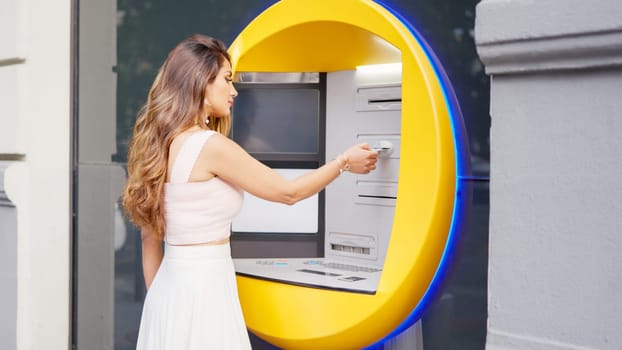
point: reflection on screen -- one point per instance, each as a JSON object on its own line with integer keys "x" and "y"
{"x": 277, "y": 120}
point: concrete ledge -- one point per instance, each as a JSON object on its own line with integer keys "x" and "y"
{"x": 497, "y": 340}
{"x": 511, "y": 20}
{"x": 525, "y": 36}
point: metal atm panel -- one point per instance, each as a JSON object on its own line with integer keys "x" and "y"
{"x": 359, "y": 208}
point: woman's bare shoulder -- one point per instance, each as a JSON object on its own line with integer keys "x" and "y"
{"x": 179, "y": 139}
{"x": 218, "y": 143}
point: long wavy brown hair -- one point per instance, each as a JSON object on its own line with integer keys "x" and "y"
{"x": 175, "y": 103}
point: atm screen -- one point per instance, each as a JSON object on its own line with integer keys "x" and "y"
{"x": 280, "y": 125}
{"x": 277, "y": 120}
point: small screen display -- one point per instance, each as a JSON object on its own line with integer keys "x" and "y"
{"x": 277, "y": 120}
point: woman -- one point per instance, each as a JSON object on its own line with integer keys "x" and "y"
{"x": 185, "y": 185}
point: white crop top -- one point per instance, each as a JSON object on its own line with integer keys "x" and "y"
{"x": 197, "y": 212}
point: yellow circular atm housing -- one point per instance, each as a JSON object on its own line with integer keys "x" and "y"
{"x": 327, "y": 36}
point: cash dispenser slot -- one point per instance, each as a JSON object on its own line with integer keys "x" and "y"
{"x": 376, "y": 192}
{"x": 383, "y": 100}
{"x": 379, "y": 98}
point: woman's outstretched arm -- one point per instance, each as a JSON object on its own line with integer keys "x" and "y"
{"x": 226, "y": 159}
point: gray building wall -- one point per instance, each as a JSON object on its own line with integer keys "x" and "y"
{"x": 555, "y": 268}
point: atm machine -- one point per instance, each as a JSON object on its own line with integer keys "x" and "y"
{"x": 362, "y": 106}
{"x": 389, "y": 235}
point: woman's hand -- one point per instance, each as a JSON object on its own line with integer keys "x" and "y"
{"x": 360, "y": 158}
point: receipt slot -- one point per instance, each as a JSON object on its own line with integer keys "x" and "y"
{"x": 398, "y": 223}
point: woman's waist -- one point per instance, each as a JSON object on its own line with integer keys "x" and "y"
{"x": 215, "y": 235}
{"x": 201, "y": 251}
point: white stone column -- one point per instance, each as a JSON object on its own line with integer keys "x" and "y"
{"x": 35, "y": 132}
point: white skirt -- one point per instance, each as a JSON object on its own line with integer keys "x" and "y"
{"x": 193, "y": 302}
